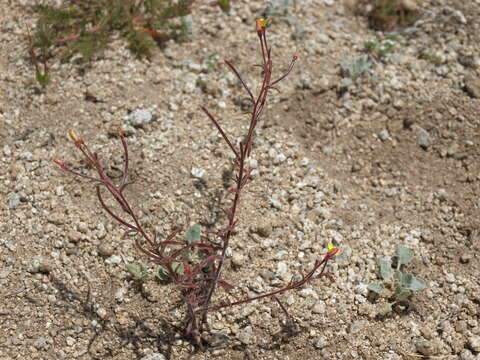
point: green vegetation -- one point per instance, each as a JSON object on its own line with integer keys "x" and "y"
{"x": 352, "y": 70}
{"x": 396, "y": 285}
{"x": 85, "y": 26}
{"x": 381, "y": 48}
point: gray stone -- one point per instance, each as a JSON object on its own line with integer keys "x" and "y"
{"x": 356, "y": 326}
{"x": 13, "y": 203}
{"x": 197, "y": 172}
{"x": 409, "y": 5}
{"x": 319, "y": 308}
{"x": 472, "y": 86}
{"x": 424, "y": 139}
{"x": 282, "y": 269}
{"x": 384, "y": 135}
{"x": 105, "y": 250}
{"x": 114, "y": 260}
{"x": 140, "y": 117}
{"x": 321, "y": 342}
{"x": 427, "y": 347}
{"x": 474, "y": 343}
{"x": 263, "y": 229}
{"x": 245, "y": 336}
{"x": 154, "y": 356}
{"x": 276, "y": 204}
{"x": 323, "y": 38}
{"x": 40, "y": 343}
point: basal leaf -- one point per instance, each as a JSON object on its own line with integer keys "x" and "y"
{"x": 386, "y": 271}
{"x": 415, "y": 283}
{"x": 405, "y": 255}
{"x": 376, "y": 287}
{"x": 193, "y": 233}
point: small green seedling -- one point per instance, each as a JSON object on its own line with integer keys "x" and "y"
{"x": 224, "y": 5}
{"x": 403, "y": 285}
{"x": 432, "y": 57}
{"x": 351, "y": 71}
{"x": 381, "y": 48}
{"x": 192, "y": 235}
{"x": 138, "y": 272}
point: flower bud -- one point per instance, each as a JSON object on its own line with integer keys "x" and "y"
{"x": 73, "y": 135}
{"x": 297, "y": 55}
{"x": 261, "y": 24}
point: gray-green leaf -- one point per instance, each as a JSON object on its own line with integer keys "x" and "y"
{"x": 193, "y": 233}
{"x": 414, "y": 283}
{"x": 386, "y": 271}
{"x": 376, "y": 287}
{"x": 405, "y": 255}
{"x": 178, "y": 267}
{"x": 402, "y": 293}
{"x": 137, "y": 274}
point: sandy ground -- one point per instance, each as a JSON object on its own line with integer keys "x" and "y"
{"x": 390, "y": 158}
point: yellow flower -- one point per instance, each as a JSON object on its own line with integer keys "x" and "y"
{"x": 261, "y": 25}
{"x": 331, "y": 250}
{"x": 73, "y": 135}
{"x": 263, "y": 22}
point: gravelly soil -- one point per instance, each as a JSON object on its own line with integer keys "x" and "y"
{"x": 392, "y": 158}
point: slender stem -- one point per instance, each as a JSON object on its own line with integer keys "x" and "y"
{"x": 220, "y": 130}
{"x": 235, "y": 71}
{"x": 307, "y": 278}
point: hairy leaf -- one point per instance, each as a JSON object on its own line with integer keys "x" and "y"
{"x": 405, "y": 255}
{"x": 376, "y": 287}
{"x": 386, "y": 271}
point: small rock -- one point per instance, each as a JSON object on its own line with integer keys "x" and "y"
{"x": 113, "y": 260}
{"x": 263, "y": 229}
{"x": 356, "y": 326}
{"x": 282, "y": 269}
{"x": 321, "y": 342}
{"x": 276, "y": 204}
{"x": 472, "y": 86}
{"x": 383, "y": 135}
{"x": 40, "y": 343}
{"x": 197, "y": 172}
{"x": 238, "y": 259}
{"x": 245, "y": 336}
{"x": 319, "y": 307}
{"x": 467, "y": 355}
{"x": 101, "y": 312}
{"x": 45, "y": 267}
{"x": 322, "y": 213}
{"x": 140, "y": 117}
{"x": 7, "y": 151}
{"x": 120, "y": 294}
{"x": 474, "y": 343}
{"x": 13, "y": 203}
{"x": 424, "y": 138}
{"x": 458, "y": 15}
{"x": 452, "y": 149}
{"x": 154, "y": 356}
{"x": 323, "y": 38}
{"x": 70, "y": 341}
{"x": 105, "y": 250}
{"x": 38, "y": 264}
{"x": 465, "y": 258}
{"x": 409, "y": 5}
{"x": 427, "y": 347}
{"x": 450, "y": 278}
